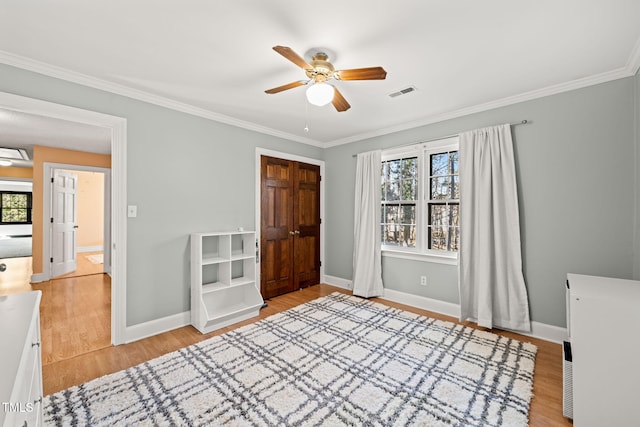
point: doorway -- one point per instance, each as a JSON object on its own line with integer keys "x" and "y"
{"x": 79, "y": 205}
{"x": 289, "y": 225}
{"x": 118, "y": 135}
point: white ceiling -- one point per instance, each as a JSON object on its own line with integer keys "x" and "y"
{"x": 215, "y": 58}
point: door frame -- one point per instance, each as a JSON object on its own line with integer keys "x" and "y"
{"x": 118, "y": 128}
{"x": 293, "y": 157}
{"x": 47, "y": 238}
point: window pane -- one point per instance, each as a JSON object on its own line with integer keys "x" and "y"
{"x": 437, "y": 239}
{"x": 14, "y": 215}
{"x": 399, "y": 235}
{"x": 391, "y": 214}
{"x": 15, "y": 208}
{"x": 455, "y": 239}
{"x": 443, "y": 215}
{"x": 407, "y": 235}
{"x": 456, "y": 188}
{"x": 408, "y": 190}
{"x": 393, "y": 190}
{"x": 394, "y": 170}
{"x": 444, "y": 233}
{"x": 408, "y": 214}
{"x": 439, "y": 164}
{"x": 399, "y": 179}
{"x": 454, "y": 162}
{"x": 410, "y": 168}
{"x": 440, "y": 188}
{"x": 398, "y": 225}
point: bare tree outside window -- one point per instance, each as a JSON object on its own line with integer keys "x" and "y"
{"x": 420, "y": 200}
{"x": 399, "y": 195}
{"x": 444, "y": 202}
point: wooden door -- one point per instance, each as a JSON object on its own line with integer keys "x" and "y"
{"x": 64, "y": 219}
{"x": 306, "y": 224}
{"x": 290, "y": 226}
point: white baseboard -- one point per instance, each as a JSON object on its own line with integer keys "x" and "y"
{"x": 430, "y": 304}
{"x": 336, "y": 281}
{"x": 539, "y": 330}
{"x": 39, "y": 277}
{"x": 546, "y": 332}
{"x": 157, "y": 326}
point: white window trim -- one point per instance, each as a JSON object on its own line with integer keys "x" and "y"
{"x": 420, "y": 252}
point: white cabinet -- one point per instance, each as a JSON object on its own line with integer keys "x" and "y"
{"x": 223, "y": 279}
{"x": 20, "y": 360}
{"x": 604, "y": 326}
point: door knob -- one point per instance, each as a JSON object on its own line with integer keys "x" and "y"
{"x": 297, "y": 231}
{"x": 292, "y": 233}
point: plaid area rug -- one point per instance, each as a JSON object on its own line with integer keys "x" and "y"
{"x": 337, "y": 360}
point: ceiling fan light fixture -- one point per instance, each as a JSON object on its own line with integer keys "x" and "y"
{"x": 320, "y": 94}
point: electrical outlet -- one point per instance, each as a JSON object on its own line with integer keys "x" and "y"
{"x": 423, "y": 280}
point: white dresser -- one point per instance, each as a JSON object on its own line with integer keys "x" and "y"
{"x": 20, "y": 360}
{"x": 604, "y": 331}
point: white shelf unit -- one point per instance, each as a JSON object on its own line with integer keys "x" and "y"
{"x": 223, "y": 279}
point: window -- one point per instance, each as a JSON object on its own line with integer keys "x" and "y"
{"x": 444, "y": 201}
{"x": 15, "y": 207}
{"x": 421, "y": 199}
{"x": 399, "y": 196}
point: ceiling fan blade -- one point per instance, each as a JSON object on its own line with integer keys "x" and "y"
{"x": 286, "y": 87}
{"x": 370, "y": 73}
{"x": 288, "y": 53}
{"x": 339, "y": 102}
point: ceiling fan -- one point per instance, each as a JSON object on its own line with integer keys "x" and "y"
{"x": 319, "y": 71}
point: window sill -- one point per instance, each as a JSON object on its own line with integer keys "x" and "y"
{"x": 416, "y": 256}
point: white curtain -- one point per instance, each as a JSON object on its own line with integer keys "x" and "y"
{"x": 492, "y": 287}
{"x": 367, "y": 261}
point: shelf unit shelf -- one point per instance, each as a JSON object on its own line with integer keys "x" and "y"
{"x": 223, "y": 279}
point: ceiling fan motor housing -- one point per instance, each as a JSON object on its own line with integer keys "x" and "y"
{"x": 322, "y": 69}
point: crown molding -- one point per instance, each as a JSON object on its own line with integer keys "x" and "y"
{"x": 629, "y": 70}
{"x": 96, "y": 83}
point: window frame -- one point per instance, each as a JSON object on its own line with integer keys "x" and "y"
{"x": 29, "y": 207}
{"x": 422, "y": 151}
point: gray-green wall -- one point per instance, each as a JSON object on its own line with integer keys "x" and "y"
{"x": 185, "y": 173}
{"x": 636, "y": 193}
{"x": 576, "y": 169}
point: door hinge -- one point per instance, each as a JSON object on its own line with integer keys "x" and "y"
{"x": 52, "y": 180}
{"x": 50, "y": 259}
{"x": 51, "y": 220}
{"x": 320, "y": 263}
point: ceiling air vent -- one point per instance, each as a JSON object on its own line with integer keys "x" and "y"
{"x": 404, "y": 91}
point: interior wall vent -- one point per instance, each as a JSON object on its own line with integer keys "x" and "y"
{"x": 404, "y": 91}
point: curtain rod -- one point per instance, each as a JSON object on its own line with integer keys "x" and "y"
{"x": 523, "y": 122}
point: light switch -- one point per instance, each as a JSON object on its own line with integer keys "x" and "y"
{"x": 132, "y": 211}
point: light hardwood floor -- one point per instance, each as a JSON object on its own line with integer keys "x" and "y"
{"x": 546, "y": 406}
{"x": 75, "y": 309}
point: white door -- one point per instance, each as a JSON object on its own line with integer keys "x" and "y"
{"x": 64, "y": 222}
